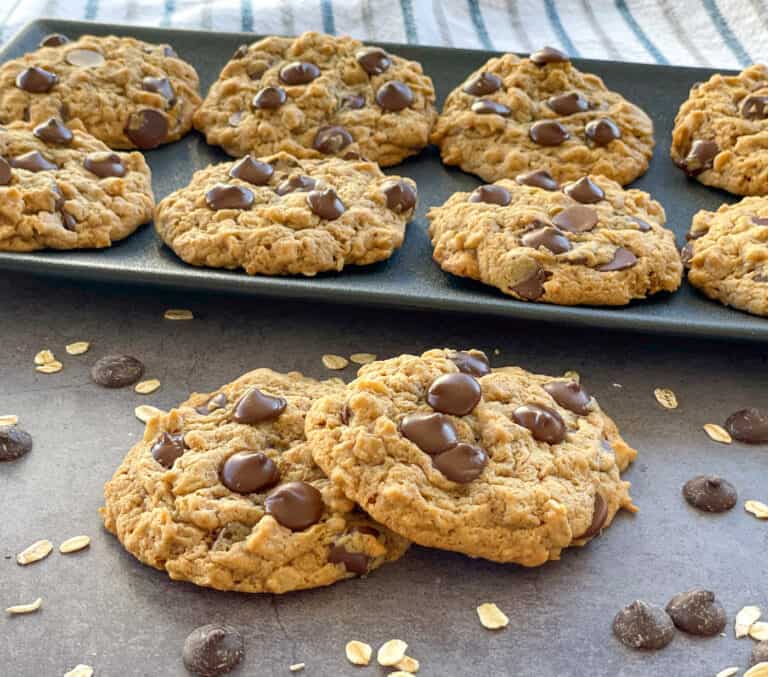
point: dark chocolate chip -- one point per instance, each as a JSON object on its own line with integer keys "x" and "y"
{"x": 222, "y": 196}
{"x": 33, "y": 162}
{"x": 700, "y": 158}
{"x": 354, "y": 562}
{"x": 492, "y": 194}
{"x": 213, "y": 650}
{"x": 401, "y": 195}
{"x": 295, "y": 505}
{"x": 36, "y": 80}
{"x": 170, "y": 52}
{"x": 53, "y": 131}
{"x": 462, "y": 463}
{"x": 432, "y": 433}
{"x": 548, "y": 55}
{"x": 167, "y": 448}
{"x": 710, "y": 493}
{"x": 569, "y": 395}
{"x": 247, "y": 472}
{"x": 353, "y": 101}
{"x": 218, "y": 401}
{"x": 759, "y": 653}
{"x": 84, "y": 58}
{"x": 576, "y": 219}
{"x": 748, "y": 425}
{"x": 532, "y": 287}
{"x": 326, "y": 204}
{"x": 5, "y": 172}
{"x": 240, "y": 52}
{"x": 117, "y": 371}
{"x": 299, "y": 73}
{"x": 373, "y": 60}
{"x": 54, "y": 40}
{"x": 257, "y": 407}
{"x": 599, "y": 516}
{"x": 488, "y": 107}
{"x": 545, "y": 424}
{"x": 15, "y": 442}
{"x": 269, "y": 98}
{"x": 68, "y": 221}
{"x": 642, "y": 226}
{"x": 147, "y": 128}
{"x": 547, "y": 237}
{"x": 394, "y": 96}
{"x": 601, "y": 132}
{"x": 104, "y": 164}
{"x": 539, "y": 178}
{"x": 585, "y": 190}
{"x": 548, "y": 133}
{"x": 686, "y": 254}
{"x": 161, "y": 86}
{"x": 697, "y": 612}
{"x": 483, "y": 84}
{"x": 758, "y": 221}
{"x": 755, "y": 108}
{"x": 252, "y": 170}
{"x": 331, "y": 139}
{"x": 294, "y": 184}
{"x": 640, "y": 625}
{"x": 474, "y": 363}
{"x": 622, "y": 259}
{"x": 568, "y": 104}
{"x": 456, "y": 394}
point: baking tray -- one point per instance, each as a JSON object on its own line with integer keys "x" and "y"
{"x": 410, "y": 279}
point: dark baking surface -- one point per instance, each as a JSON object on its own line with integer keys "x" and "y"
{"x": 410, "y": 279}
{"x": 103, "y": 608}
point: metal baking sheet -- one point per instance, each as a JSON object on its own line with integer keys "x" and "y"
{"x": 410, "y": 279}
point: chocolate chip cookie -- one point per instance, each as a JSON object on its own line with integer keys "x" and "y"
{"x": 727, "y": 254}
{"x": 319, "y": 95}
{"x": 222, "y": 492}
{"x": 279, "y": 215}
{"x": 61, "y": 188}
{"x": 495, "y": 463}
{"x": 720, "y": 131}
{"x": 515, "y": 115}
{"x": 586, "y": 242}
{"x": 127, "y": 93}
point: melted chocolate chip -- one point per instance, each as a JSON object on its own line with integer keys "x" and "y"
{"x": 257, "y": 407}
{"x": 5, "y": 172}
{"x": 640, "y": 625}
{"x": 491, "y": 194}
{"x": 353, "y": 101}
{"x": 601, "y": 132}
{"x": 117, "y": 371}
{"x": 394, "y": 96}
{"x": 161, "y": 86}
{"x": 295, "y": 505}
{"x": 373, "y": 60}
{"x": 401, "y": 195}
{"x": 432, "y": 433}
{"x": 33, "y": 162}
{"x": 456, "y": 394}
{"x": 576, "y": 219}
{"x": 483, "y": 84}
{"x": 326, "y": 204}
{"x": 548, "y": 55}
{"x": 548, "y": 133}
{"x": 599, "y": 517}
{"x": 758, "y": 221}
{"x": 700, "y": 158}
{"x": 686, "y": 254}
{"x": 269, "y": 98}
{"x": 53, "y": 131}
{"x": 622, "y": 259}
{"x": 104, "y": 164}
{"x": 299, "y": 73}
{"x": 354, "y": 562}
{"x": 642, "y": 226}
{"x": 569, "y": 395}
{"x": 54, "y": 40}
{"x": 488, "y": 107}
{"x": 294, "y": 184}
{"x": 36, "y": 80}
{"x": 462, "y": 463}
{"x": 568, "y": 104}
{"x": 474, "y": 363}
{"x": 167, "y": 448}
{"x": 222, "y": 196}
{"x": 755, "y": 108}
{"x": 532, "y": 287}
{"x": 710, "y": 493}
{"x": 252, "y": 170}
{"x": 147, "y": 128}
{"x": 748, "y": 425}
{"x": 15, "y": 442}
{"x": 213, "y": 650}
{"x": 539, "y": 178}
{"x": 331, "y": 139}
{"x": 697, "y": 612}
{"x": 547, "y": 237}
{"x": 545, "y": 424}
{"x": 247, "y": 472}
{"x": 84, "y": 58}
{"x": 585, "y": 190}
{"x": 216, "y": 402}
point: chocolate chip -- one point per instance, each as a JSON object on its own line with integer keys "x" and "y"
{"x": 373, "y": 60}
{"x": 394, "y": 96}
{"x": 299, "y": 73}
{"x": 295, "y": 505}
{"x": 485, "y": 83}
{"x": 456, "y": 394}
{"x": 548, "y": 133}
{"x": 54, "y": 40}
{"x": 104, "y": 164}
{"x": 622, "y": 259}
{"x": 576, "y": 219}
{"x": 532, "y": 287}
{"x": 295, "y": 184}
{"x": 252, "y": 170}
{"x": 5, "y": 172}
{"x": 222, "y": 196}
{"x": 585, "y": 190}
{"x": 353, "y": 562}
{"x": 700, "y": 158}
{"x": 539, "y": 178}
{"x": 240, "y": 52}
{"x": 353, "y": 101}
{"x": 462, "y": 463}
{"x": 33, "y": 162}
{"x": 697, "y": 612}
{"x": 53, "y": 131}
{"x": 758, "y": 221}
{"x": 748, "y": 425}
{"x": 247, "y": 472}
{"x": 488, "y": 107}
{"x": 257, "y": 407}
{"x": 15, "y": 442}
{"x": 569, "y": 395}
{"x": 331, "y": 139}
{"x": 759, "y": 653}
{"x": 167, "y": 448}
{"x": 269, "y": 98}
{"x": 686, "y": 254}
{"x": 170, "y": 52}
{"x": 755, "y": 108}
{"x": 84, "y": 58}
{"x": 599, "y": 516}
{"x": 545, "y": 424}
{"x": 432, "y": 433}
{"x": 326, "y": 204}
{"x": 67, "y": 220}
{"x": 640, "y": 625}
{"x": 218, "y": 401}
{"x": 36, "y": 80}
{"x": 474, "y": 363}
{"x": 601, "y": 132}
{"x": 213, "y": 650}
{"x": 147, "y": 128}
{"x": 117, "y": 371}
{"x": 161, "y": 86}
{"x": 568, "y": 104}
{"x": 548, "y": 55}
{"x": 642, "y": 226}
{"x": 547, "y": 237}
{"x": 710, "y": 493}
{"x": 491, "y": 194}
{"x": 401, "y": 195}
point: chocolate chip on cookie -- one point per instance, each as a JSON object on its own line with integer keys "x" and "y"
{"x": 456, "y": 394}
{"x": 748, "y": 425}
{"x": 483, "y": 84}
{"x": 622, "y": 259}
{"x": 167, "y": 448}
{"x": 394, "y": 96}
{"x": 105, "y": 164}
{"x": 297, "y": 183}
{"x": 401, "y": 195}
{"x": 326, "y": 204}
{"x": 353, "y": 562}
{"x": 252, "y": 170}
{"x": 568, "y": 104}
{"x": 489, "y": 107}
{"x": 269, "y": 98}
{"x": 299, "y": 73}
{"x": 462, "y": 463}
{"x": 531, "y": 288}
{"x": 492, "y": 194}
{"x": 700, "y": 157}
{"x": 432, "y": 433}
{"x": 570, "y": 395}
{"x": 474, "y": 363}
{"x": 213, "y": 650}
{"x": 373, "y": 60}
{"x": 53, "y": 131}
{"x": 54, "y": 40}
{"x": 117, "y": 371}
{"x": 222, "y": 196}
{"x": 755, "y": 108}
{"x": 218, "y": 401}
{"x": 601, "y": 132}
{"x": 539, "y": 178}
{"x": 15, "y": 442}
{"x": 545, "y": 424}
{"x": 295, "y": 505}
{"x": 548, "y": 55}
{"x": 599, "y": 517}
{"x": 331, "y": 139}
{"x": 34, "y": 161}
{"x": 548, "y": 133}
{"x": 640, "y": 625}
{"x": 257, "y": 407}
{"x": 5, "y": 172}
{"x": 36, "y": 80}
{"x": 576, "y": 219}
{"x": 161, "y": 86}
{"x": 710, "y": 493}
{"x": 547, "y": 237}
{"x": 147, "y": 128}
{"x": 247, "y": 472}
{"x": 697, "y": 612}
{"x": 585, "y": 190}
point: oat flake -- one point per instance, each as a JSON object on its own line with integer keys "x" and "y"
{"x": 144, "y": 412}
{"x": 717, "y": 433}
{"x": 391, "y": 652}
{"x": 178, "y": 314}
{"x": 759, "y": 631}
{"x": 80, "y": 671}
{"x": 335, "y": 361}
{"x": 358, "y": 653}
{"x": 74, "y": 544}
{"x": 745, "y": 618}
{"x": 296, "y": 667}
{"x": 25, "y": 608}
{"x": 78, "y": 347}
{"x": 9, "y": 419}
{"x": 666, "y": 398}
{"x": 35, "y": 552}
{"x": 757, "y": 508}
{"x": 44, "y": 357}
{"x": 362, "y": 358}
{"x": 759, "y": 670}
{"x": 147, "y": 387}
{"x": 728, "y": 672}
{"x": 408, "y": 664}
{"x": 50, "y": 367}
{"x": 492, "y": 617}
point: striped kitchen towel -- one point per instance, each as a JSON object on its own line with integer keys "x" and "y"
{"x": 716, "y": 33}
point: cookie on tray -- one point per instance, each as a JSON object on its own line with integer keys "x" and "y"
{"x": 727, "y": 254}
{"x": 61, "y": 188}
{"x": 280, "y": 215}
{"x": 223, "y": 492}
{"x": 515, "y": 115}
{"x": 585, "y": 242}
{"x": 721, "y": 130}
{"x": 319, "y": 95}
{"x": 127, "y": 93}
{"x": 501, "y": 464}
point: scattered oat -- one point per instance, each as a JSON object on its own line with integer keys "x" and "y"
{"x": 757, "y": 508}
{"x": 74, "y": 544}
{"x": 399, "y": 673}
{"x": 717, "y": 433}
{"x": 50, "y": 367}
{"x": 617, "y": 385}
{"x": 78, "y": 347}
{"x": 759, "y": 631}
{"x": 9, "y": 419}
{"x": 358, "y": 653}
{"x": 496, "y": 351}
{"x": 178, "y": 314}
{"x": 296, "y": 667}
{"x": 147, "y": 387}
{"x": 35, "y": 552}
{"x": 25, "y": 608}
{"x": 335, "y": 361}
{"x": 759, "y": 670}
{"x": 491, "y": 616}
{"x": 408, "y": 664}
{"x": 391, "y": 652}
{"x": 144, "y": 412}
{"x": 44, "y": 357}
{"x": 666, "y": 398}
{"x": 573, "y": 375}
{"x": 362, "y": 358}
{"x": 728, "y": 672}
{"x": 80, "y": 671}
{"x": 745, "y": 618}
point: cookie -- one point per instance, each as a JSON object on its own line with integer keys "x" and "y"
{"x": 720, "y": 131}
{"x": 279, "y": 215}
{"x": 727, "y": 254}
{"x": 61, "y": 188}
{"x": 222, "y": 492}
{"x": 127, "y": 93}
{"x": 514, "y": 115}
{"x": 501, "y": 464}
{"x": 319, "y": 95}
{"x": 587, "y": 242}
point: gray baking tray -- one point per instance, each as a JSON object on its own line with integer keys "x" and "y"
{"x": 410, "y": 279}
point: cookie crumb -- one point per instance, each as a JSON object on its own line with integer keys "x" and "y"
{"x": 44, "y": 357}
{"x": 144, "y": 412}
{"x": 9, "y": 419}
{"x": 25, "y": 608}
{"x": 358, "y": 653}
{"x": 296, "y": 667}
{"x": 759, "y": 631}
{"x": 335, "y": 361}
{"x": 392, "y": 652}
{"x": 362, "y": 358}
{"x": 666, "y": 398}
{"x": 74, "y": 544}
{"x": 728, "y": 672}
{"x": 147, "y": 387}
{"x": 35, "y": 552}
{"x": 409, "y": 665}
{"x": 491, "y": 617}
{"x": 178, "y": 314}
{"x": 80, "y": 670}
{"x": 757, "y": 508}
{"x": 50, "y": 367}
{"x": 748, "y": 616}
{"x": 717, "y": 433}
{"x": 78, "y": 347}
